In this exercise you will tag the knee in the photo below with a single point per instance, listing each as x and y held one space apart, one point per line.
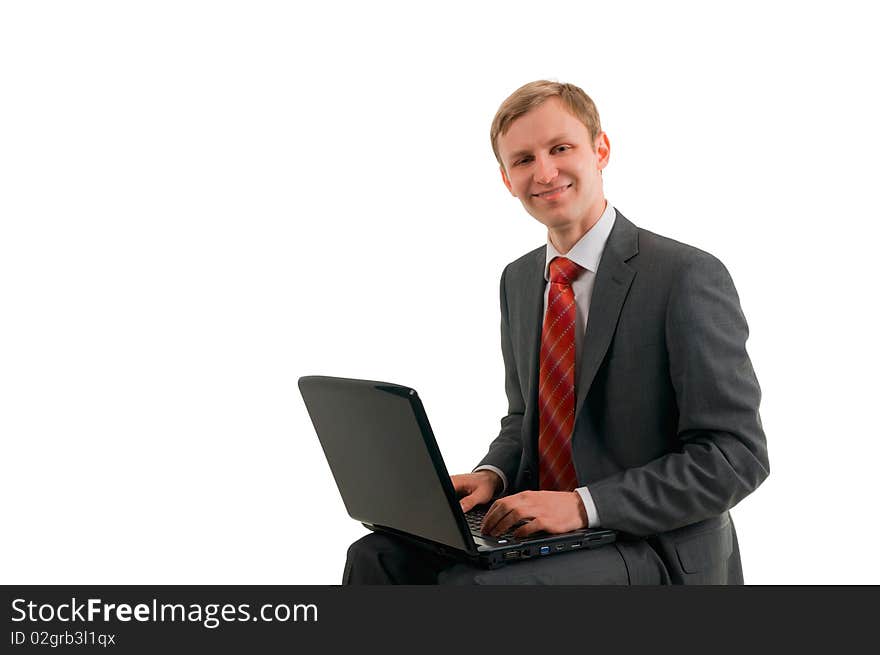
363 563
385 559
368 546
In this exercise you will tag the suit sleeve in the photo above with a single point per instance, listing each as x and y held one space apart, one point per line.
721 455
505 452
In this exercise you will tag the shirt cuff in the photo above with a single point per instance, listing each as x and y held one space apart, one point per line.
489 467
590 506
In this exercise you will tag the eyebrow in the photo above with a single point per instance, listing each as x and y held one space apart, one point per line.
555 139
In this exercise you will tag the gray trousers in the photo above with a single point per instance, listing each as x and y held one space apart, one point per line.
380 558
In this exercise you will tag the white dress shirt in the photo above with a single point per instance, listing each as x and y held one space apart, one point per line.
586 253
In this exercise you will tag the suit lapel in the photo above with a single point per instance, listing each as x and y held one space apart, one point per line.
613 280
531 320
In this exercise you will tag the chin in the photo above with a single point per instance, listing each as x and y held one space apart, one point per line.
554 222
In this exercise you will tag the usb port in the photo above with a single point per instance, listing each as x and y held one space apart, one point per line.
545 550
511 554
560 546
576 544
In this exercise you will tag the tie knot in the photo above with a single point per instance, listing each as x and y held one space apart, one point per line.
564 271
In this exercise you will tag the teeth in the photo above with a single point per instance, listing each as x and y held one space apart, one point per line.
552 191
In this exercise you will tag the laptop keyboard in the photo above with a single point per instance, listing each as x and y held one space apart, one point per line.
475 520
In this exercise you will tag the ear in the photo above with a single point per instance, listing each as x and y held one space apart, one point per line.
602 148
506 181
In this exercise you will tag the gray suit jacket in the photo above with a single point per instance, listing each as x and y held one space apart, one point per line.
667 434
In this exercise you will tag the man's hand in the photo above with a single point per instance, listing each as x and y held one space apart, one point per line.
554 512
476 488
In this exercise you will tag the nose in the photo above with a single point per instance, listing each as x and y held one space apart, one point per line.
545 171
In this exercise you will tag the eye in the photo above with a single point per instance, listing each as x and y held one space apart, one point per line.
523 160
561 148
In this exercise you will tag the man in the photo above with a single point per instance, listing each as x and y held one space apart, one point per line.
632 401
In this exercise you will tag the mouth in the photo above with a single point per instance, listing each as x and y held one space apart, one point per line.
552 194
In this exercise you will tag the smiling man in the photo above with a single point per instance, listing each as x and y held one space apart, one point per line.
552 162
632 402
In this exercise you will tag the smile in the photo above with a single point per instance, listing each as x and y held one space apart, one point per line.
552 194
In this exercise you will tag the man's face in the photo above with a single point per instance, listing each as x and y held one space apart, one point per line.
550 164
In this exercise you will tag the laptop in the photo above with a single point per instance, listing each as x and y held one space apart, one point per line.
391 476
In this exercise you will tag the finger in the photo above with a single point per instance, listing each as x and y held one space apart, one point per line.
462 490
496 512
507 521
501 509
468 503
513 518
459 484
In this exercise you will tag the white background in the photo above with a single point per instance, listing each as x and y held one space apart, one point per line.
201 202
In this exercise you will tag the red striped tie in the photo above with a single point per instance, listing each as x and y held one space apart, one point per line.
556 386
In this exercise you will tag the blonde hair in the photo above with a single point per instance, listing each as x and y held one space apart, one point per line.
532 95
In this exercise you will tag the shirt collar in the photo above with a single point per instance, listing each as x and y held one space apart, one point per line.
588 250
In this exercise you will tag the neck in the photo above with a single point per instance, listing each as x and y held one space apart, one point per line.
564 238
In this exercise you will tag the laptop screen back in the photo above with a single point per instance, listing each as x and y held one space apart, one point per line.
387 467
